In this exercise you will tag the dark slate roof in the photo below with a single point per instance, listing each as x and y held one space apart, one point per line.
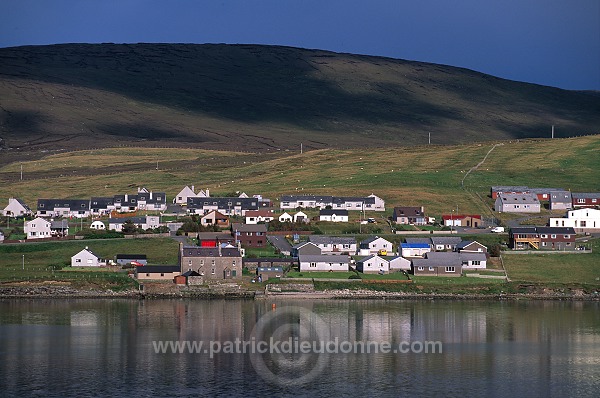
288 260
331 212
223 203
316 198
510 188
73 204
131 257
132 200
464 244
344 199
527 198
190 273
152 197
408 211
146 269
101 202
523 230
560 196
418 240
195 251
556 230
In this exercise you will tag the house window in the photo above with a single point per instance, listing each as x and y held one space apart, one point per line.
212 271
431 269
420 268
544 236
77 260
553 236
313 265
212 262
233 264
190 261
476 262
594 200
147 274
162 274
41 205
450 269
582 224
567 236
132 200
580 200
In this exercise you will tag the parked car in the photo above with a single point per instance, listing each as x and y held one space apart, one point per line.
498 230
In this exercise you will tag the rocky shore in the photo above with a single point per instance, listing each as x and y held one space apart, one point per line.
62 292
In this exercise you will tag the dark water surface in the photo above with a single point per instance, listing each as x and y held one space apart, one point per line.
89 348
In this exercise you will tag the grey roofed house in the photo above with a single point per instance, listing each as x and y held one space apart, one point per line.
225 205
102 203
426 241
470 245
447 242
196 251
440 259
305 248
560 200
338 240
509 188
472 256
123 220
77 206
239 227
585 195
517 203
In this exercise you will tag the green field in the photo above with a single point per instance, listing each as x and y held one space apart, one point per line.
555 268
427 176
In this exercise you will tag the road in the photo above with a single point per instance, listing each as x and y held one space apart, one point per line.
280 243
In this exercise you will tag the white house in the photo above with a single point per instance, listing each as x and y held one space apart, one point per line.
86 258
323 262
333 215
257 216
301 217
373 265
285 217
473 260
399 264
334 244
186 192
375 245
98 225
414 249
16 207
582 220
38 228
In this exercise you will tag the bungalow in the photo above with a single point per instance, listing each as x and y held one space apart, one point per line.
586 199
462 220
543 193
285 217
409 215
375 245
250 235
333 244
305 248
123 259
333 215
473 260
544 238
77 208
301 217
441 243
258 216
414 249
324 262
582 220
16 208
86 258
215 218
144 222
471 246
157 272
373 264
426 241
517 203
561 200
265 273
214 263
438 264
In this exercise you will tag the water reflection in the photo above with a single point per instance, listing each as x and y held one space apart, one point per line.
104 347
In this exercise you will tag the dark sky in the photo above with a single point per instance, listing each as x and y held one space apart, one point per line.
549 42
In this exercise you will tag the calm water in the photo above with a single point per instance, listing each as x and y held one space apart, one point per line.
105 348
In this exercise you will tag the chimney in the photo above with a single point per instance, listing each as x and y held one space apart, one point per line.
193 189
207 193
151 195
126 197
86 248
219 246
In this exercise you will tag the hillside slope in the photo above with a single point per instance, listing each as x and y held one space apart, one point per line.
260 98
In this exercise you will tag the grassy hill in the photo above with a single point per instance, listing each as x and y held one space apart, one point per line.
425 175
262 98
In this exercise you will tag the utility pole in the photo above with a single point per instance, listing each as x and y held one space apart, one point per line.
553 131
23 262
21 171
301 151
429 138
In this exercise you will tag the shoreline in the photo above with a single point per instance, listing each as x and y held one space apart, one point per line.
43 292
